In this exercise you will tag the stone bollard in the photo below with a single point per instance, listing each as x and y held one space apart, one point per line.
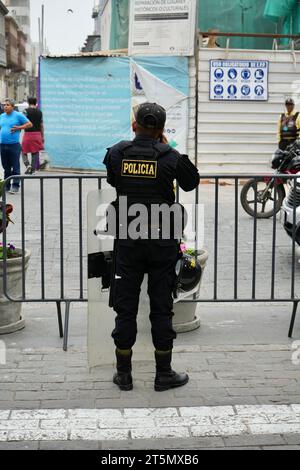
10 312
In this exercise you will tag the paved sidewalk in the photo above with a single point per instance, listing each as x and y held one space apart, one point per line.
217 426
234 360
240 357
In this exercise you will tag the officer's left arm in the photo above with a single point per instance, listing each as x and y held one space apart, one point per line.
110 174
187 174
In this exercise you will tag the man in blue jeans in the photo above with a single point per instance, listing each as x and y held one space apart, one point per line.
11 124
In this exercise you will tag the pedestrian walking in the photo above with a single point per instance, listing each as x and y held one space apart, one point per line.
143 171
289 125
12 123
33 140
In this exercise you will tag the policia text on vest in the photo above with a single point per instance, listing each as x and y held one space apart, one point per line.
139 168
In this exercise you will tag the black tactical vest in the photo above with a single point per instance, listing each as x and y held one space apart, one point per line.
139 172
289 129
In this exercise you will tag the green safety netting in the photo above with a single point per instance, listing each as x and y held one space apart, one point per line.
277 9
237 16
246 16
119 24
286 13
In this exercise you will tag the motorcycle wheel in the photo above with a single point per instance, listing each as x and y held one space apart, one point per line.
265 208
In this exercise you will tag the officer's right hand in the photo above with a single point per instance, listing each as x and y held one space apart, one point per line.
163 139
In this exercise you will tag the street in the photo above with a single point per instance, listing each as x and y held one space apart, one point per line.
240 357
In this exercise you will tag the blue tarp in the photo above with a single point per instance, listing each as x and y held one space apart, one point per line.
86 105
172 70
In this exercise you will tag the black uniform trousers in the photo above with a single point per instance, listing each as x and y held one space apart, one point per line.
132 262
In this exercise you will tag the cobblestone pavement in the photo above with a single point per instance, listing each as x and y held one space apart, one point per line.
240 358
235 360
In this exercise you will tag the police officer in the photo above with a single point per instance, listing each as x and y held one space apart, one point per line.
289 125
144 170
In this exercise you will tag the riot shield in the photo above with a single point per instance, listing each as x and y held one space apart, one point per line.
101 318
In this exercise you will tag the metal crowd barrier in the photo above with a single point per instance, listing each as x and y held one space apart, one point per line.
60 296
55 215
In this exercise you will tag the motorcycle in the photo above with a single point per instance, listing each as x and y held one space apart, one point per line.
261 191
290 211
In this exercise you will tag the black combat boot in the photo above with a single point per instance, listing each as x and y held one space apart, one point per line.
166 377
123 377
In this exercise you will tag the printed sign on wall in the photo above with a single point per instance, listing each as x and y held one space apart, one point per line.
239 80
87 104
160 27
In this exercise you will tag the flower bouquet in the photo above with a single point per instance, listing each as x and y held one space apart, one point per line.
8 211
10 251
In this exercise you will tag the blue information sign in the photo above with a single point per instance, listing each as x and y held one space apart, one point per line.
239 80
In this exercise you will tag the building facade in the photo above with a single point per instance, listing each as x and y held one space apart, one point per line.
20 11
3 13
11 33
92 44
16 76
93 41
21 51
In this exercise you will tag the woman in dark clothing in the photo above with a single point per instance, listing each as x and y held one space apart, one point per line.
33 141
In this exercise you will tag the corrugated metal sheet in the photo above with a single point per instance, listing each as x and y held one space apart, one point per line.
240 134
114 53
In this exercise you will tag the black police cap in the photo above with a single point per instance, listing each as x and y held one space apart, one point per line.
289 101
151 116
